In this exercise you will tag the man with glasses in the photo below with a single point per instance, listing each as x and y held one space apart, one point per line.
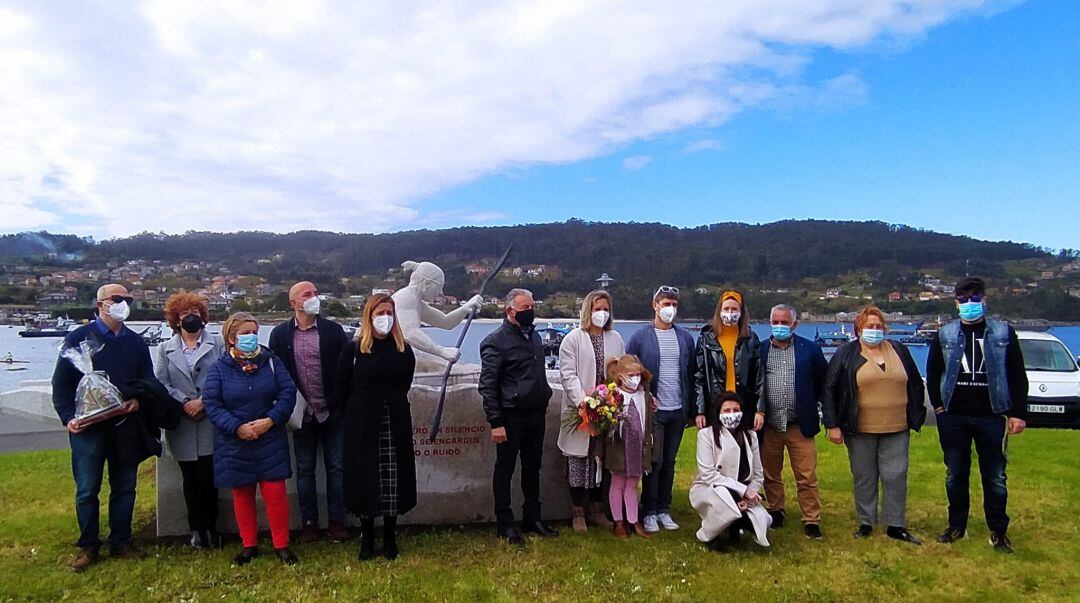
977 385
123 357
667 351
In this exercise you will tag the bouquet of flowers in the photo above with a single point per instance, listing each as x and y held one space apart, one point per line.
600 411
96 398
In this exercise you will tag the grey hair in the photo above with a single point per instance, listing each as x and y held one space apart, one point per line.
513 295
102 289
785 308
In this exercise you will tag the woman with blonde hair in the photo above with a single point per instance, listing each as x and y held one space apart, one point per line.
627 450
182 365
374 375
582 357
249 397
728 359
873 398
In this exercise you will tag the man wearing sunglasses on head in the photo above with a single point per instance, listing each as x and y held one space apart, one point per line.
977 385
124 357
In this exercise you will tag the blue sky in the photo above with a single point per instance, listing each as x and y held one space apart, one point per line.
961 116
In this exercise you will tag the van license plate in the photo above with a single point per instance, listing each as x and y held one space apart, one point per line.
1051 408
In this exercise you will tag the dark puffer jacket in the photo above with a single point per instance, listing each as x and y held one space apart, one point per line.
840 400
710 374
231 398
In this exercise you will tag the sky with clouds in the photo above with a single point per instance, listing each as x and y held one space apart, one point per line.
955 115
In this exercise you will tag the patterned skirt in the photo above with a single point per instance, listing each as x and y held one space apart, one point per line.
388 495
581 472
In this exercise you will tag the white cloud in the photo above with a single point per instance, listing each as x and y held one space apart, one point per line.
284 115
634 163
707 144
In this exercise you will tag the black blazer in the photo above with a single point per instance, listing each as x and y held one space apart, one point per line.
331 339
840 401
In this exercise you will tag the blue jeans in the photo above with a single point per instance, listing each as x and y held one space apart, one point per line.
306 440
89 452
956 433
657 485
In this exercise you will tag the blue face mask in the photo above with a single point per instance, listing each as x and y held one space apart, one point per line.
872 336
971 311
781 332
247 343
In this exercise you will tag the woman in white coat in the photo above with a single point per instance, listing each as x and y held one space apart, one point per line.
582 357
725 492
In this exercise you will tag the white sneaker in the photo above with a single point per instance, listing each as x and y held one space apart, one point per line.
667 521
650 524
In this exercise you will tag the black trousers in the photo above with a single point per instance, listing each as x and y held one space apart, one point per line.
524 437
199 493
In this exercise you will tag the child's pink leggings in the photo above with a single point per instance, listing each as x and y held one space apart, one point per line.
624 490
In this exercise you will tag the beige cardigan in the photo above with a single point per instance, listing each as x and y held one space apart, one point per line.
577 371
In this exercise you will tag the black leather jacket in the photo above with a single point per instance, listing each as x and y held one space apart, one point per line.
710 373
513 376
840 400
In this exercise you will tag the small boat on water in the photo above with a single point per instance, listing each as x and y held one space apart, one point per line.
829 341
60 328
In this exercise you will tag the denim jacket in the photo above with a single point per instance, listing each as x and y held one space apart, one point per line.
995 342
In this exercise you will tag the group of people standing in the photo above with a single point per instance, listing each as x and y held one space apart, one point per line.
236 401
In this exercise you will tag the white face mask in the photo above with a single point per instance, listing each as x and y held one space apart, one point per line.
120 311
730 318
631 383
667 314
600 318
383 323
311 306
731 420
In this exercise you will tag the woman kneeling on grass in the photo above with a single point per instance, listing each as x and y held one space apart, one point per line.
249 396
627 450
729 478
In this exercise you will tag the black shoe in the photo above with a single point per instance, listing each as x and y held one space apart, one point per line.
245 556
864 531
212 539
286 556
812 531
539 528
367 539
718 544
127 550
1000 542
899 533
950 535
198 540
389 545
511 535
778 517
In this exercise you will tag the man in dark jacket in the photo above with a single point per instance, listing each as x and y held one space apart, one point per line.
308 345
123 357
977 384
794 370
513 385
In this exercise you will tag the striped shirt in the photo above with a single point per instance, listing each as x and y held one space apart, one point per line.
668 382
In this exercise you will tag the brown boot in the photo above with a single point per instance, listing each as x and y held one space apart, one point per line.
620 530
597 517
640 530
578 514
86 557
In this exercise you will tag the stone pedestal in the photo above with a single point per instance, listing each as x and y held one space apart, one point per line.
453 474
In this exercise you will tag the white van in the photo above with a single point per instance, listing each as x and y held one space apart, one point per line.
1053 381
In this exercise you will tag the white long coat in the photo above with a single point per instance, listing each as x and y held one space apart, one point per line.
718 470
577 371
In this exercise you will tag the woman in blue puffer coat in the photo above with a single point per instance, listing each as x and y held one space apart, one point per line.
248 395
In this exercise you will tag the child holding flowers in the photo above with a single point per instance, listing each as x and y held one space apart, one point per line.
626 448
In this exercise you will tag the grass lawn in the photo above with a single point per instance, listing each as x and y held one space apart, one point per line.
37 529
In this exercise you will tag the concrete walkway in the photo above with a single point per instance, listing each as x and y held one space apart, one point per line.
20 433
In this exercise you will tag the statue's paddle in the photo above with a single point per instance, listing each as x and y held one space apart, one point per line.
436 418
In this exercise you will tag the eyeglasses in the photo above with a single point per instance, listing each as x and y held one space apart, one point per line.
969 298
666 289
118 298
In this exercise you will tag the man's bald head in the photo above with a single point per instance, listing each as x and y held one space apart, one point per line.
301 292
106 291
